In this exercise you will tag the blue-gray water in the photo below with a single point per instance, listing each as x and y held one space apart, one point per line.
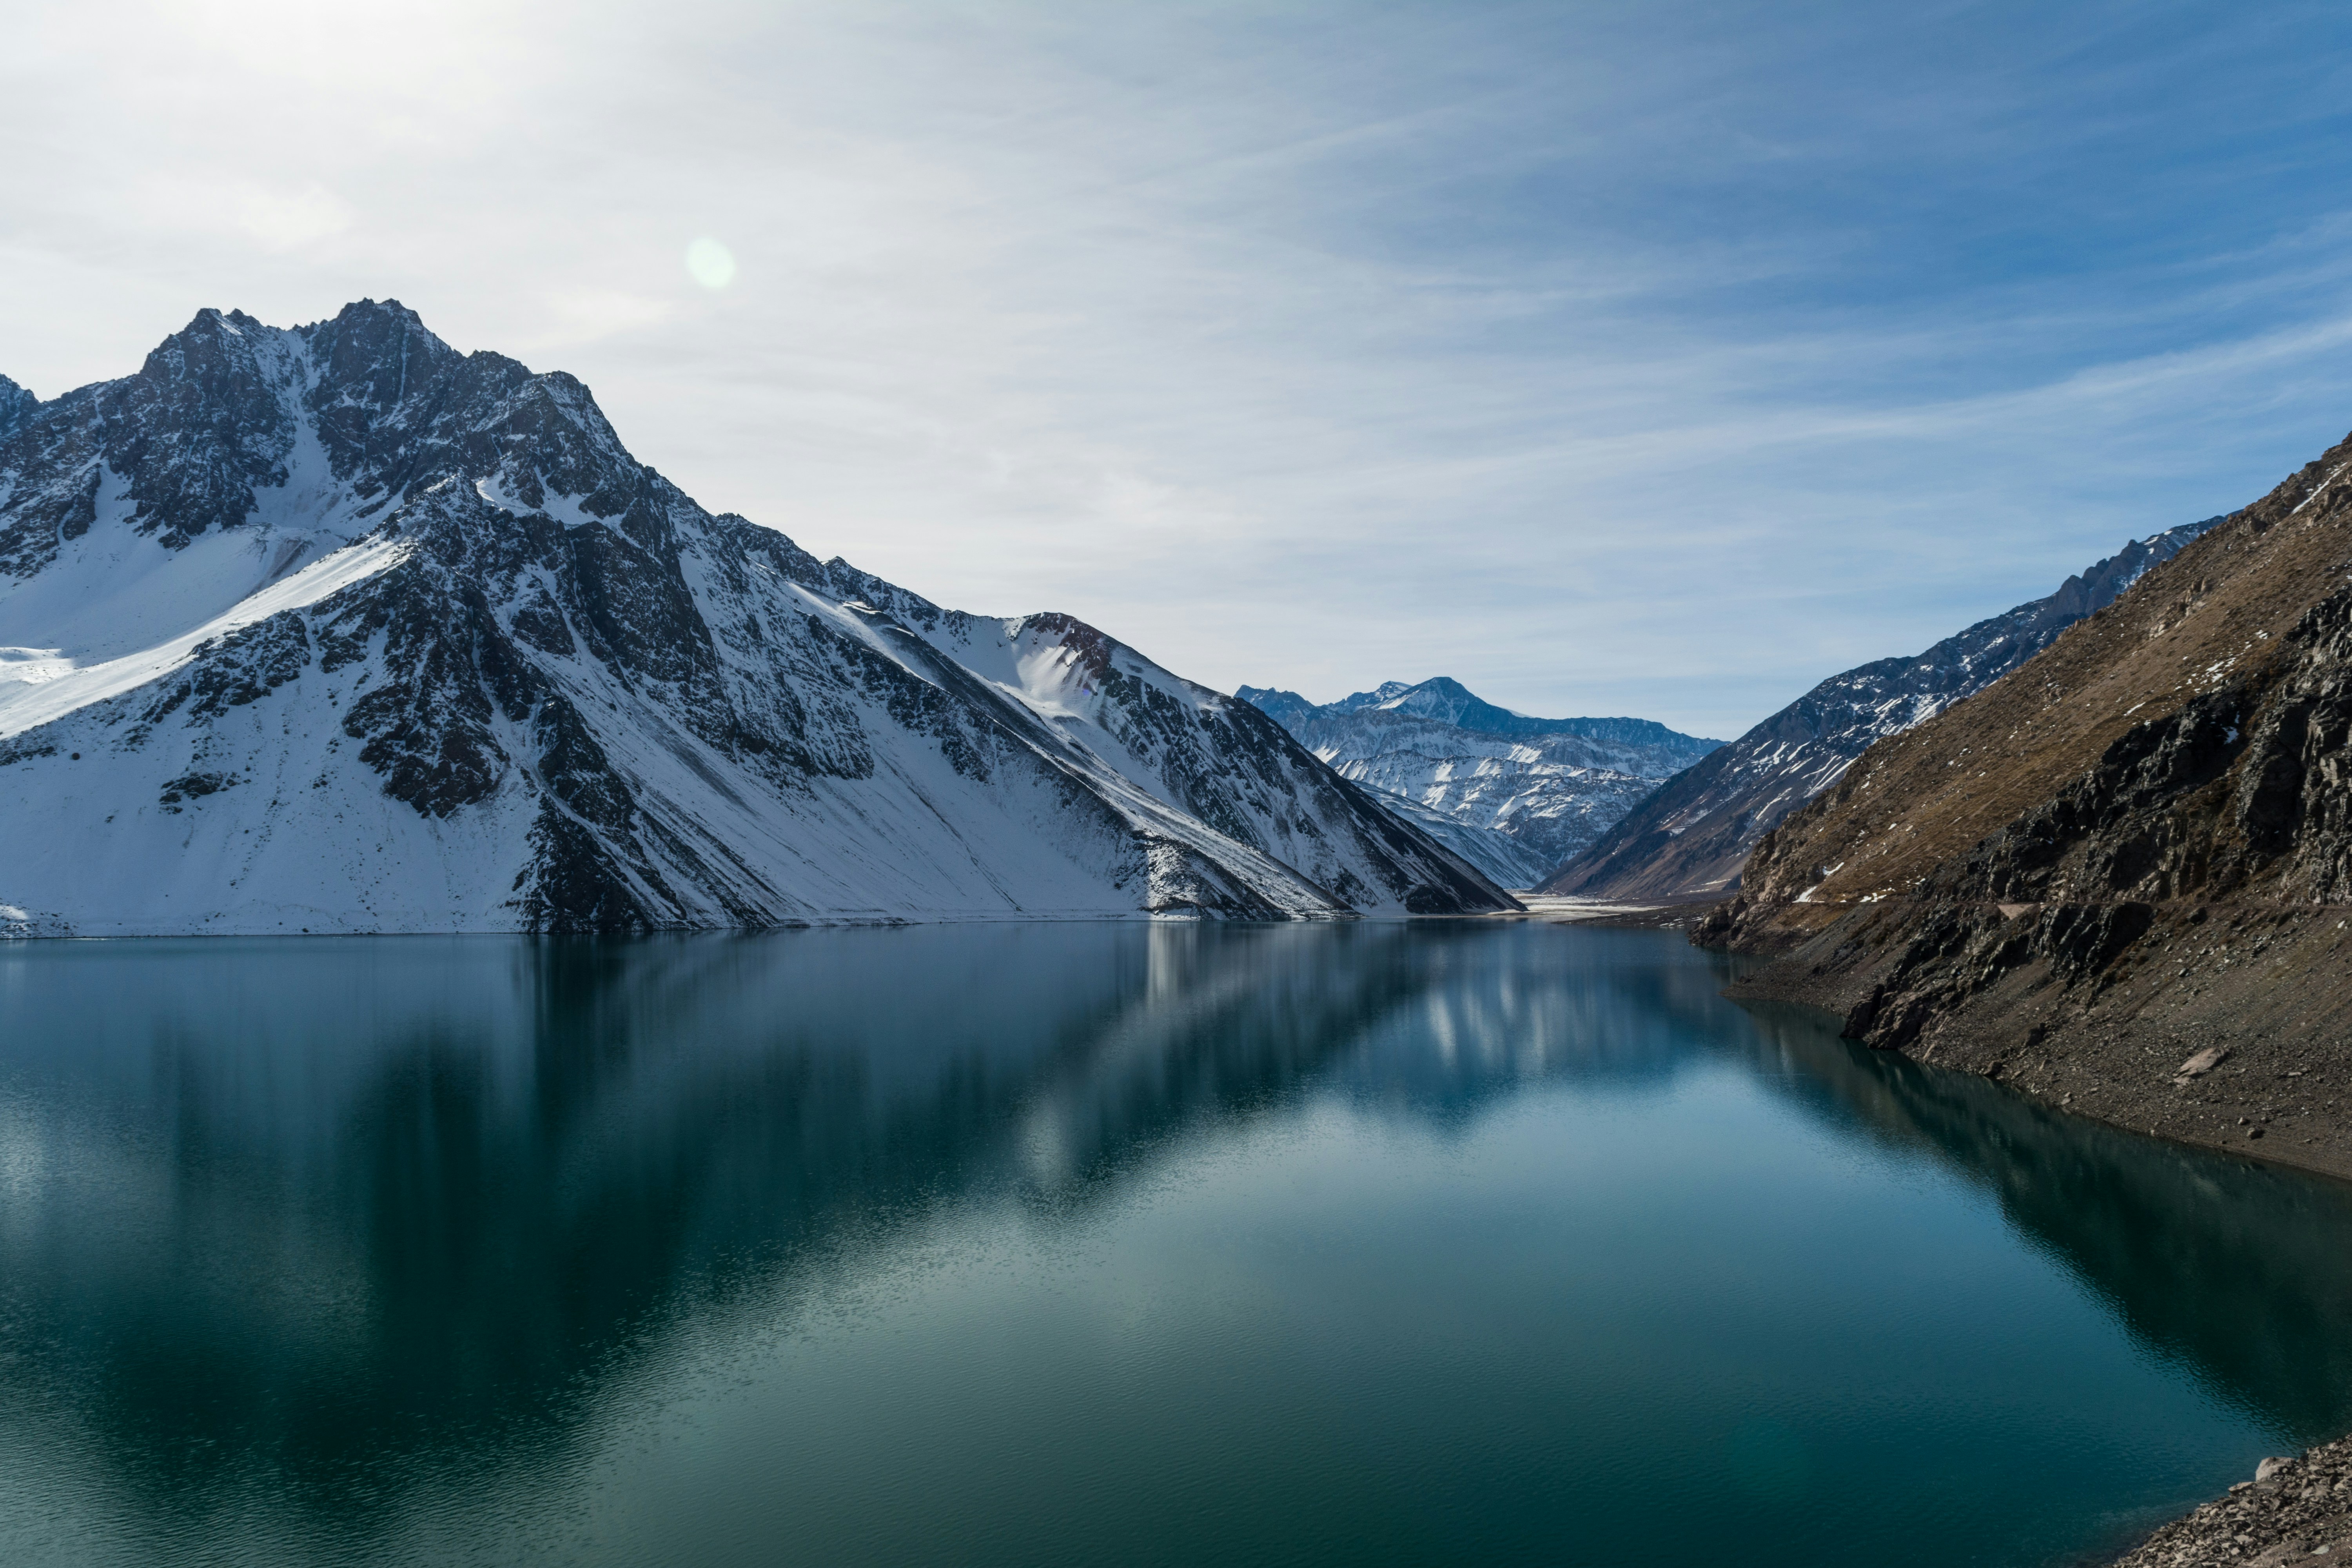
1452 1242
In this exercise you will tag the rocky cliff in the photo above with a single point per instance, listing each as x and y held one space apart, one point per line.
2119 878
1690 838
336 628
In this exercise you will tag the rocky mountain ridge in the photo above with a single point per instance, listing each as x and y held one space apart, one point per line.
337 628
1689 839
1513 793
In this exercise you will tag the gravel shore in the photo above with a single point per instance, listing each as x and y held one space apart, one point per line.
2295 1511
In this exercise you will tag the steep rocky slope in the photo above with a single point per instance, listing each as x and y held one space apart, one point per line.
1515 795
337 628
2118 878
1690 838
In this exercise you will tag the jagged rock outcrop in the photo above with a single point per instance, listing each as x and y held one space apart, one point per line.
1515 795
2119 878
337 628
16 404
1690 838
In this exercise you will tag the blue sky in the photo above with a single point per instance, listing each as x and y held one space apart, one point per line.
1654 360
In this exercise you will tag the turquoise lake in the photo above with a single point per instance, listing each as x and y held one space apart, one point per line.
1433 1242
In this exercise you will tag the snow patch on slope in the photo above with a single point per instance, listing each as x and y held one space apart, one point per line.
25 704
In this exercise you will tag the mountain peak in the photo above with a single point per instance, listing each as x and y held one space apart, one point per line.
1444 701
366 309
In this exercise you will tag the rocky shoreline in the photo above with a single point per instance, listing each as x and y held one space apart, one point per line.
2224 1028
2296 1509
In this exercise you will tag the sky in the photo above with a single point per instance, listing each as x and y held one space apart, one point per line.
1652 359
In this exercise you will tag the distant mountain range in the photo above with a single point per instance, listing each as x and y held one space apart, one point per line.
1690 838
1515 795
336 628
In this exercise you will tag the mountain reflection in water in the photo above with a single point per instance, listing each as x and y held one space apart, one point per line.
2238 1271
297 1237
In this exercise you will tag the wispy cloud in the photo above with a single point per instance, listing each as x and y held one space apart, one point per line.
1653 359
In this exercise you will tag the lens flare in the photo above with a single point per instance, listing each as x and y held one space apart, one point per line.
709 263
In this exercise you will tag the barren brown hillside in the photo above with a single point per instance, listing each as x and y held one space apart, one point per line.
2121 878
2215 613
1692 837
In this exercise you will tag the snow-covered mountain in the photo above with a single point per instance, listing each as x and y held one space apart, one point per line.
1691 837
1516 795
335 628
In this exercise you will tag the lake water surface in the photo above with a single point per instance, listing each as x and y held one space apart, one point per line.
1440 1242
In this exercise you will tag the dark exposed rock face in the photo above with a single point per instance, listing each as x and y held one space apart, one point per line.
17 406
1513 794
458 660
1690 838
